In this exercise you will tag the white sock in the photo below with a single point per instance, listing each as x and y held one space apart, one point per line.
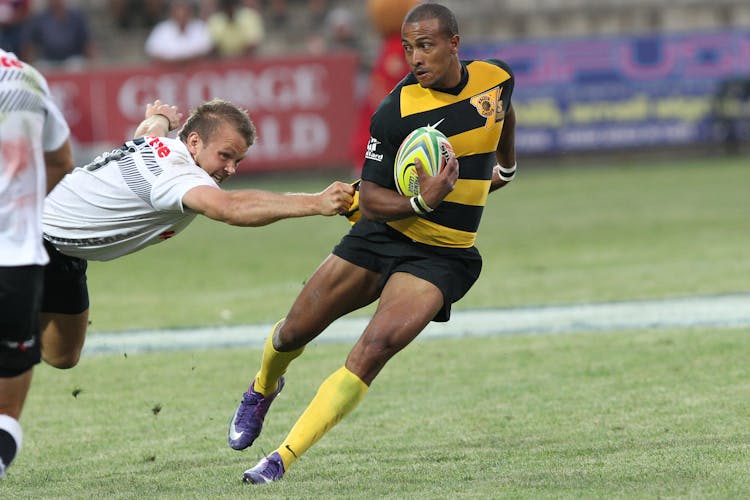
10 427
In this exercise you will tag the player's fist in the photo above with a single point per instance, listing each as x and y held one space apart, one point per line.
336 198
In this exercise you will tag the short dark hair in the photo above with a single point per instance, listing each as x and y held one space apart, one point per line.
207 118
445 17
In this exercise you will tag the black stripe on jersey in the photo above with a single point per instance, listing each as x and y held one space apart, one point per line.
456 216
112 156
20 100
134 179
477 167
12 75
149 159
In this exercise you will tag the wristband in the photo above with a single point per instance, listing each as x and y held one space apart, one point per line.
417 209
506 174
169 122
419 201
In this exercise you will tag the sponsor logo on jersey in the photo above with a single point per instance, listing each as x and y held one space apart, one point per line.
162 151
10 62
489 105
372 147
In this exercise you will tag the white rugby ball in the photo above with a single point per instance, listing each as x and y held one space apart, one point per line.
428 144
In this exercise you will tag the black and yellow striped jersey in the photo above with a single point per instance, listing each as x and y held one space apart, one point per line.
471 116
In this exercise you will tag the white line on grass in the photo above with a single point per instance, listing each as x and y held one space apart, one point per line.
726 311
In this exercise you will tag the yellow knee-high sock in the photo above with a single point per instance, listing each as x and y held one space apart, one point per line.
273 365
338 395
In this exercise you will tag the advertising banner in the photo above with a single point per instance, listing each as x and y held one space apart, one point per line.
302 107
618 92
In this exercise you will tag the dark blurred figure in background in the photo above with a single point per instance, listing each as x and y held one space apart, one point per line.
236 28
731 114
58 36
133 13
278 11
13 16
339 32
181 38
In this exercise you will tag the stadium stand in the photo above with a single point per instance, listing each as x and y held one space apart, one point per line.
480 20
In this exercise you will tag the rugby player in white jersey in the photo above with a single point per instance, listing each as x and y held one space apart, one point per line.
34 155
145 192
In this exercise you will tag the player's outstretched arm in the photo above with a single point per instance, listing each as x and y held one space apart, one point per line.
505 169
159 120
250 207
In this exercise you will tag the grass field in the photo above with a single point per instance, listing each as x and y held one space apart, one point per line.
573 234
647 414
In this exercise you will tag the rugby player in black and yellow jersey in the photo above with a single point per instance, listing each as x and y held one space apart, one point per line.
416 255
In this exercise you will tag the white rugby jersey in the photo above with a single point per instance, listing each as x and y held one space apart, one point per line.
124 200
30 124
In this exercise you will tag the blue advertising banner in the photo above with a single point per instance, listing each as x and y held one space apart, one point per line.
619 92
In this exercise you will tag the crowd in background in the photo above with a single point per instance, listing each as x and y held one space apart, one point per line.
80 33
61 34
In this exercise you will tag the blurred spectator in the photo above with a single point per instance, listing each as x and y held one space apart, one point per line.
13 14
339 33
181 38
58 36
236 28
279 11
341 30
133 13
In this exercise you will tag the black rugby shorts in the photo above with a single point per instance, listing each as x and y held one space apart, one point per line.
65 288
380 248
20 300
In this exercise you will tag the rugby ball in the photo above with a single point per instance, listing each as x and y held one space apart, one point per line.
428 144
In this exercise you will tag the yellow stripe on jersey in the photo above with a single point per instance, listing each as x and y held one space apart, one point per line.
425 231
417 99
476 141
469 192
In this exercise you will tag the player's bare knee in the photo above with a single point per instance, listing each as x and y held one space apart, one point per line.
63 361
378 351
292 334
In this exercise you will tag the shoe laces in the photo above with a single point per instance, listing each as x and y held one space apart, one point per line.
250 402
272 467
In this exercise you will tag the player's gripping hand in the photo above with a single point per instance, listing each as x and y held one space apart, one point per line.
171 113
434 189
336 198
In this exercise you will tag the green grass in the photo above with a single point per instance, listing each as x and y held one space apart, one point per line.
648 414
556 235
629 415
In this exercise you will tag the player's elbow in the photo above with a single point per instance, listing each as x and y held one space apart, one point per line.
370 214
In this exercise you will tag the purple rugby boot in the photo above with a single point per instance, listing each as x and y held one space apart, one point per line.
269 469
248 419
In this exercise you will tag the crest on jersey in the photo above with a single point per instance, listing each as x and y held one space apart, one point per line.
490 106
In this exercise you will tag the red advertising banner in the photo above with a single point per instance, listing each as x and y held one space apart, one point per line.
302 107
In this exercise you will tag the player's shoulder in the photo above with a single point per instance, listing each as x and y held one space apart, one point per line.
393 99
389 110
29 74
491 64
177 155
